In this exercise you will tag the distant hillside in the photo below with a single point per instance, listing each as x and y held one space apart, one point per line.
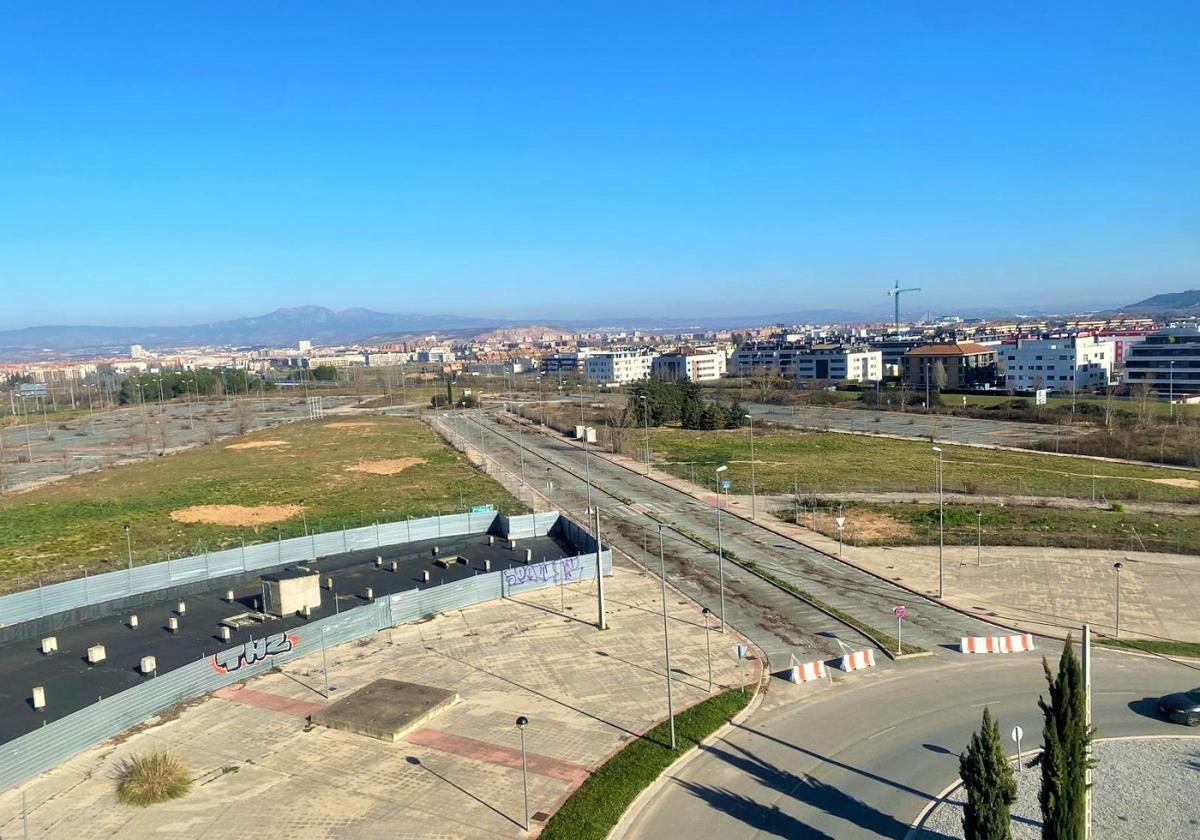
1188 301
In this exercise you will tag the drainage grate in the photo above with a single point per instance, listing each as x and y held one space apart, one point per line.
541 816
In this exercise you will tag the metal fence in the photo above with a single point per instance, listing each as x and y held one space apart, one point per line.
97 589
55 742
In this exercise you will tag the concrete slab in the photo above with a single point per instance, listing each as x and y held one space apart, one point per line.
386 709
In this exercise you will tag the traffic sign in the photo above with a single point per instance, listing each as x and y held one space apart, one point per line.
1017 734
899 611
740 651
725 484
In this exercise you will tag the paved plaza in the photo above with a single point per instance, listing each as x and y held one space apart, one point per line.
261 769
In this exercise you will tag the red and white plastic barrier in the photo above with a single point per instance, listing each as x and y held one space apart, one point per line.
808 672
858 659
996 644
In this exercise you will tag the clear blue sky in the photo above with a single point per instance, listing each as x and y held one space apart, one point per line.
177 162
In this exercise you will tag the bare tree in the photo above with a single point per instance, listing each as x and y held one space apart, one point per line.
939 374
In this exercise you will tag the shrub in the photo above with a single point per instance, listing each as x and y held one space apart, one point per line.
152 776
1118 507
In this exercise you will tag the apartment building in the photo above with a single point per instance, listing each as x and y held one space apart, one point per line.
965 363
696 364
1168 361
618 366
839 363
1068 363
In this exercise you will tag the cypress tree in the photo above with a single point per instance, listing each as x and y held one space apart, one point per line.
989 782
1064 761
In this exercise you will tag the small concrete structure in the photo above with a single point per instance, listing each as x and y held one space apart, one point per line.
435 551
173 624
224 632
487 565
369 594
378 562
50 644
95 654
425 575
329 583
529 555
133 622
395 566
149 666
386 709
306 611
229 596
181 608
491 539
289 591
39 697
512 544
463 561
443 562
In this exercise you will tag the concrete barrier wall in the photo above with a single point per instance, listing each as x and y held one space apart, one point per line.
55 742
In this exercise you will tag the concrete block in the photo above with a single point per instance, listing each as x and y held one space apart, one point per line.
512 544
463 560
487 565
435 551
288 591
442 563
229 596
491 540
181 607
39 697
395 566
369 593
133 622
173 624
95 654
425 575
329 583
50 644
378 562
529 555
224 632
149 666
306 611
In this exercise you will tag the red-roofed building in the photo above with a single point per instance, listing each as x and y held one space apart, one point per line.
965 363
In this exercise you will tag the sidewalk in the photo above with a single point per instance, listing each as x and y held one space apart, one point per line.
260 770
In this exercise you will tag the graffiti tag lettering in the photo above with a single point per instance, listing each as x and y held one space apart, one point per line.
566 570
234 659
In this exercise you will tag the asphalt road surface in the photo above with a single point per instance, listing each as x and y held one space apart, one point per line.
71 683
864 759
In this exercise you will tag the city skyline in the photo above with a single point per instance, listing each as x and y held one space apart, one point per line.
549 162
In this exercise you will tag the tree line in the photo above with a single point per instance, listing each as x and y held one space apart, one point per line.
202 382
659 402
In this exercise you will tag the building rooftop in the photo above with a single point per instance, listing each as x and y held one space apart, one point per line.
950 348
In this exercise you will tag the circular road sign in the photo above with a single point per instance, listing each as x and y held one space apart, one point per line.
1017 734
900 611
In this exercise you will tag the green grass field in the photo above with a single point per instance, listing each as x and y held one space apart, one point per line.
592 810
815 462
917 524
52 531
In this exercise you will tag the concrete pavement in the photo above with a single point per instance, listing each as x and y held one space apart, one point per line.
260 771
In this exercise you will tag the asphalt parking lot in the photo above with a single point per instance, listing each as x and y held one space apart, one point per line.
71 683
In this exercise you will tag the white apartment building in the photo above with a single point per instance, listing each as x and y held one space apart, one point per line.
696 364
1062 364
839 363
618 366
1168 362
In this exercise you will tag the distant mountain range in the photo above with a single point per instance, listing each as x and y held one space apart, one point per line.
1183 303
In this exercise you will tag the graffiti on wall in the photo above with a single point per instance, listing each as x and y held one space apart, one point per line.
566 570
243 656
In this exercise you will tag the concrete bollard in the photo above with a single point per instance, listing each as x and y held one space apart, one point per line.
435 551
39 697
487 565
148 665
95 654
181 608
512 544
224 633
395 566
369 593
306 611
329 583
463 560
173 624
133 622
228 596
378 562
491 540
425 575
50 644
529 555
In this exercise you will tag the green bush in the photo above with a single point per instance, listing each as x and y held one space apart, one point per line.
152 776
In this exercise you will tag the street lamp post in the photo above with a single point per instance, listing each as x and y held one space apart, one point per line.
587 461
662 566
646 415
1118 566
1171 396
522 722
753 476
708 646
941 526
978 537
720 547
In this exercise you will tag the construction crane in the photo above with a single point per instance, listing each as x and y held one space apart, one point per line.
895 293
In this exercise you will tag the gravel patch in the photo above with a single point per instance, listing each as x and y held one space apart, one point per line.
1146 789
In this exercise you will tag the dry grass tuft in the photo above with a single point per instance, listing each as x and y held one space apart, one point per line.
152 776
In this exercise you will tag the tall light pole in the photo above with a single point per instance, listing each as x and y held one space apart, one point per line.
708 646
522 722
662 566
646 415
587 460
978 537
941 526
1171 397
129 546
753 475
1118 566
720 547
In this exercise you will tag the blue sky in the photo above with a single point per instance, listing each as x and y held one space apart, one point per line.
182 162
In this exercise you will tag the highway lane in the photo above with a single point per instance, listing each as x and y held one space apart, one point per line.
867 764
865 597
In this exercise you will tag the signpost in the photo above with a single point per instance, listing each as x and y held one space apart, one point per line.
841 523
740 652
1040 396
899 612
1017 734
